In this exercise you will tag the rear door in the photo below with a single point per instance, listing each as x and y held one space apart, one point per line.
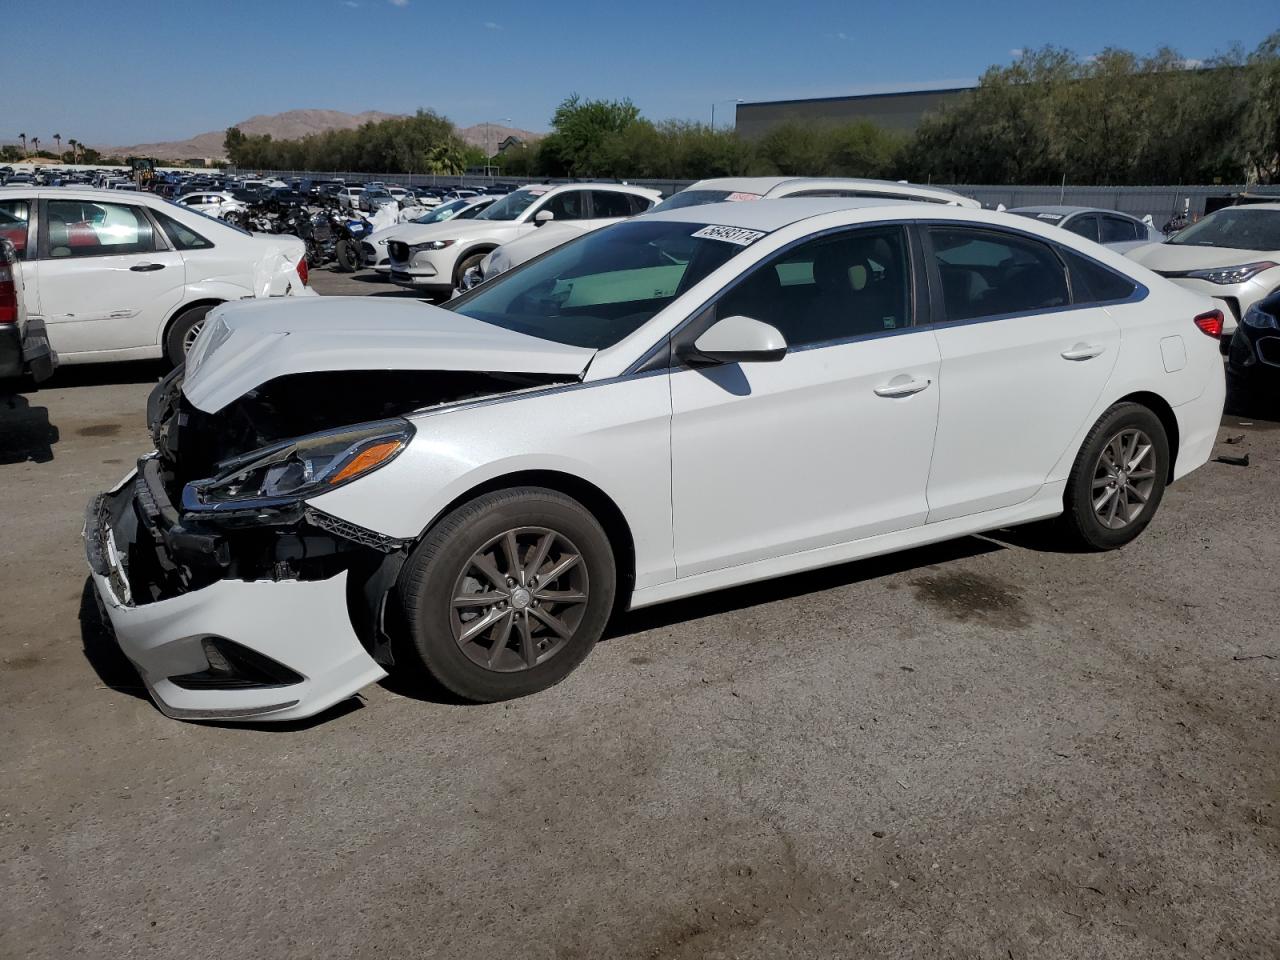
107 278
1022 366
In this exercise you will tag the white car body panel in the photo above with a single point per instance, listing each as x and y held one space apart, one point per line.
728 474
100 308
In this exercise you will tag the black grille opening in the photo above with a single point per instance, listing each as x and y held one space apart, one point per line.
233 667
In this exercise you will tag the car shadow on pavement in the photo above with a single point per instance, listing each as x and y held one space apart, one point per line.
25 431
100 374
796 585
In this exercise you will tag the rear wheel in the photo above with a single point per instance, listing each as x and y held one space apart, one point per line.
508 593
183 332
1118 480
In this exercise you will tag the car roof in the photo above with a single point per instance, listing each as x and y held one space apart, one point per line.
776 186
1067 210
1251 206
591 185
776 213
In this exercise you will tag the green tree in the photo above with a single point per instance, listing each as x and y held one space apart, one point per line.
579 131
1260 120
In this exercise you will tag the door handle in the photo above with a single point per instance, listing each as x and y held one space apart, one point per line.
905 388
146 267
1083 351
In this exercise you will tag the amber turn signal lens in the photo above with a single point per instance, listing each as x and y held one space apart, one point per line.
366 460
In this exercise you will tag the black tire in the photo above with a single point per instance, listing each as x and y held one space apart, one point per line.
175 341
437 565
347 256
1081 524
465 264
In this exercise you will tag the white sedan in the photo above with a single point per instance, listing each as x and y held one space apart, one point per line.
117 276
1232 255
686 401
213 203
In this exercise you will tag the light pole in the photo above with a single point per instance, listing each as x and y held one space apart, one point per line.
488 142
713 108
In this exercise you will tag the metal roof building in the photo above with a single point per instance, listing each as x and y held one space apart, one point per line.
900 110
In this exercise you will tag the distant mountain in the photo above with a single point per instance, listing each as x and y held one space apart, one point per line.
488 136
290 125
293 125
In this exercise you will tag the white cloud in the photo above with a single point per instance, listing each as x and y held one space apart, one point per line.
399 3
350 3
840 36
1017 53
490 25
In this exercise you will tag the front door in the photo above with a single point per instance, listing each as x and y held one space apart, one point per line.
829 444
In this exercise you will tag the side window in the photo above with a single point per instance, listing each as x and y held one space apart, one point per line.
1091 282
569 205
82 228
832 288
990 274
14 219
1085 225
606 203
180 235
639 204
1118 229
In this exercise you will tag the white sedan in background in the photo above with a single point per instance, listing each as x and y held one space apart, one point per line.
686 401
718 190
1232 255
212 203
1117 231
131 277
435 257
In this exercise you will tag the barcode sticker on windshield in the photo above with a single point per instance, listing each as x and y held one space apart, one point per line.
740 196
735 235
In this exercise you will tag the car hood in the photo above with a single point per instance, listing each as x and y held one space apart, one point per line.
455 230
1177 256
545 238
248 343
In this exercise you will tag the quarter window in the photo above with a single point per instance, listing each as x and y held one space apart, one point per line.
180 235
83 228
990 274
832 288
1091 282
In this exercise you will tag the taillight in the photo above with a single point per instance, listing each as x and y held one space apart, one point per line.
1210 323
8 294
302 270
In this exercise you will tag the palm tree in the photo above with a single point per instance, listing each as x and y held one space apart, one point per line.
57 139
35 145
75 151
23 138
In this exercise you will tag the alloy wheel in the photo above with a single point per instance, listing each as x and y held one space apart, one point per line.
519 599
189 337
1124 478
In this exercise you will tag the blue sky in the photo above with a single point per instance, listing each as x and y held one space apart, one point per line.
129 71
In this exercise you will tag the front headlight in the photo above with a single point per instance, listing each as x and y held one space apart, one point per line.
431 245
1237 274
301 468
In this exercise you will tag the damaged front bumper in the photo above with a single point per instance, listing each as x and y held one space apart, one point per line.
216 638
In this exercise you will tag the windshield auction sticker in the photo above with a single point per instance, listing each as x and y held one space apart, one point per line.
734 235
739 197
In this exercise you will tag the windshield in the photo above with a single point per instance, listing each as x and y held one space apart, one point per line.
602 287
695 198
513 204
1236 227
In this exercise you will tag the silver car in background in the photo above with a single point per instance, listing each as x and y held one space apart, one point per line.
1111 228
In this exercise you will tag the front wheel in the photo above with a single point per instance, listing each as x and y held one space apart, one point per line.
348 256
508 593
1118 479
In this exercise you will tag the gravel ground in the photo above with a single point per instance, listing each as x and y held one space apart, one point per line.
981 749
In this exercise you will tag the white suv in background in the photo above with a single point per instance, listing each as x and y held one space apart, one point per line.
120 276
434 257
212 203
